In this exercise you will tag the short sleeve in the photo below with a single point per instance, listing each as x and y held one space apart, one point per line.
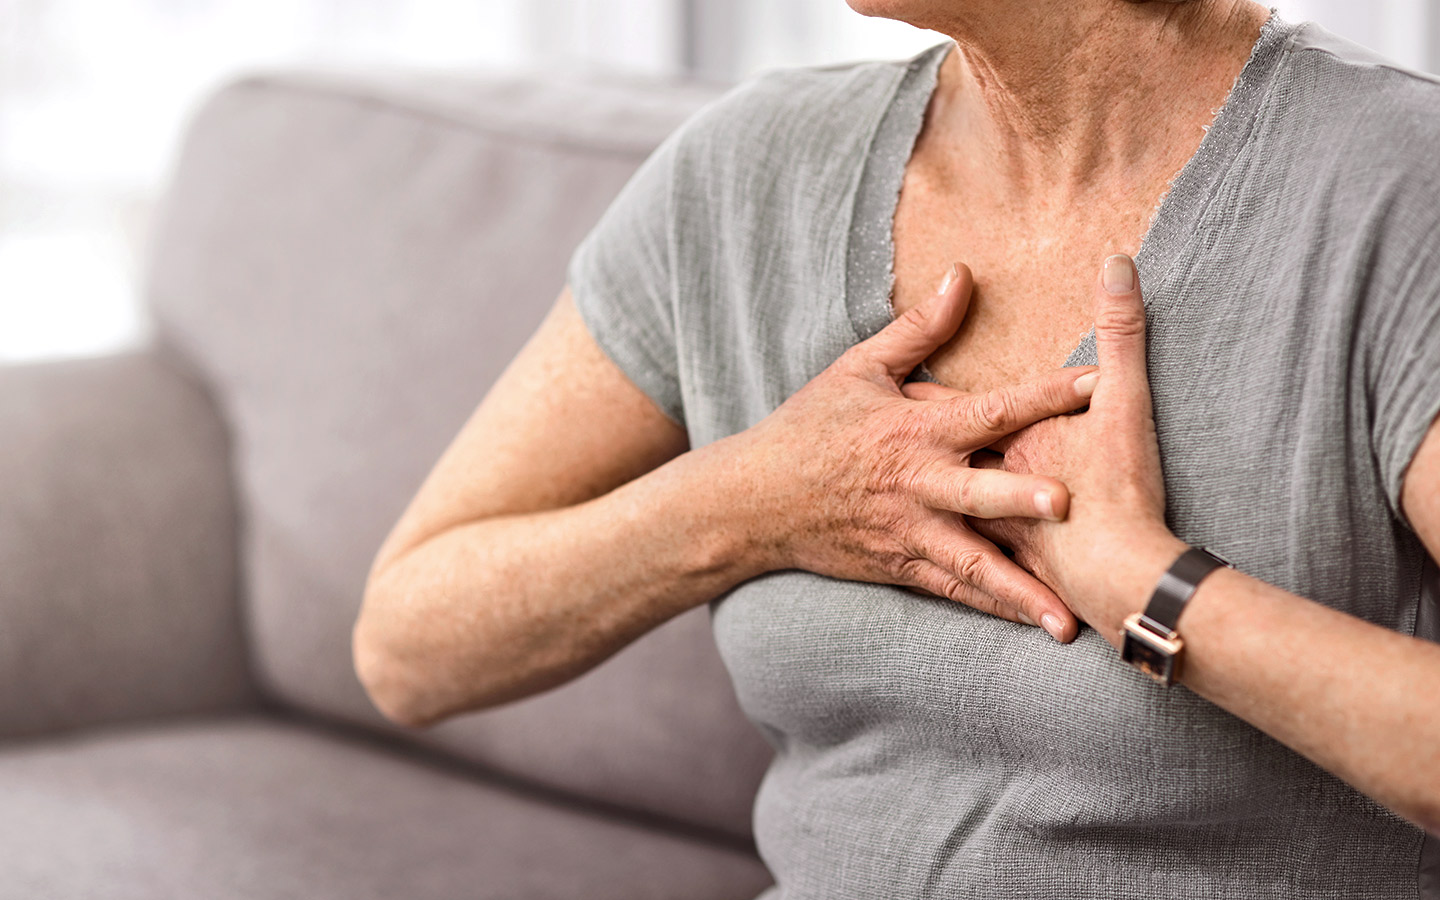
621 276
1404 369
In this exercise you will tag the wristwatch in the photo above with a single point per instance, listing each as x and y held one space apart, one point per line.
1150 641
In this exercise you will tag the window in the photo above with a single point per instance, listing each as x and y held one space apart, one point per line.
93 94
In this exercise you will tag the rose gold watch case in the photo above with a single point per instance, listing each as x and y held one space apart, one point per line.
1151 648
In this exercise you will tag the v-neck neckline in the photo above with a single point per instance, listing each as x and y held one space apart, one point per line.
870 250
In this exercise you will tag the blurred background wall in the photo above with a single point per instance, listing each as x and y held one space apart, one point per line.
93 94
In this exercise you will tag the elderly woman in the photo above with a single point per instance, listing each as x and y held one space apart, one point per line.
751 395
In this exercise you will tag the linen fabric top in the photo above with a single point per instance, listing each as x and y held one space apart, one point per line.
924 749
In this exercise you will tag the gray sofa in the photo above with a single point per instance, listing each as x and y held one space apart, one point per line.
344 263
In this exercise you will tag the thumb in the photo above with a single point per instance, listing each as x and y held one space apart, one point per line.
919 331
1120 330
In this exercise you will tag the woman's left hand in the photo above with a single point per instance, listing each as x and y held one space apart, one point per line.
1099 560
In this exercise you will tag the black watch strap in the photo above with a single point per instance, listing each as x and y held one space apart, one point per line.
1178 584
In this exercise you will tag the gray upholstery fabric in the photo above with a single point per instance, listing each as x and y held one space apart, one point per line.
117 546
351 261
244 807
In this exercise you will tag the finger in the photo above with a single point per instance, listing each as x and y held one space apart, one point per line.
1006 534
1120 329
937 582
929 390
981 419
992 493
1003 533
980 564
919 331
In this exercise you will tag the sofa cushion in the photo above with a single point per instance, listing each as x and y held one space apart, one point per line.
253 807
351 261
117 546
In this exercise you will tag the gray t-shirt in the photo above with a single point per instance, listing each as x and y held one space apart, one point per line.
924 749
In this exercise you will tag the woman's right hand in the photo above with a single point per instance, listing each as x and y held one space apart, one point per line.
857 481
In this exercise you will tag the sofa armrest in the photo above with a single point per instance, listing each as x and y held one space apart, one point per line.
118 594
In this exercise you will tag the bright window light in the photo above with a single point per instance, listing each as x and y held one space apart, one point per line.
93 95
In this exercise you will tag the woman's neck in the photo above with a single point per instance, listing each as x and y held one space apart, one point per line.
1077 97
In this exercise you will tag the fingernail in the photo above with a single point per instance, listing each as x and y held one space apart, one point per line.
1024 618
1085 384
950 276
1119 274
1045 504
1051 623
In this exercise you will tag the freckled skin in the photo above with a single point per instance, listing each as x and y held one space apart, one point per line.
1031 302
1030 166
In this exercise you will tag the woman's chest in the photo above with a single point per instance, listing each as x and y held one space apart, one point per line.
1034 279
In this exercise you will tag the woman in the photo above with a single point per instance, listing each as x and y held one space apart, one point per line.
754 413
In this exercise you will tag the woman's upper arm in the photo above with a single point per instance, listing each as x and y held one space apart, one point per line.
561 425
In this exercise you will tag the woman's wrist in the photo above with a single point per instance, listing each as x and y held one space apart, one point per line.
1128 579
735 481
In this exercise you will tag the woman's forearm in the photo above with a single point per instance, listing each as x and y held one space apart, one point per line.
1357 699
846 478
498 609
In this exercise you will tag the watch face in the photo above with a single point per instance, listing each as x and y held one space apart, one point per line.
1152 654
1141 654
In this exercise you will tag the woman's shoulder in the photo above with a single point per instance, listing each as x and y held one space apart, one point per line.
1356 133
786 113
1347 54
1361 97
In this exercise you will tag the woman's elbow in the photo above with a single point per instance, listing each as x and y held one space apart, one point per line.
388 680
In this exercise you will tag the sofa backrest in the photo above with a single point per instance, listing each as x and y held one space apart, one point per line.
349 260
